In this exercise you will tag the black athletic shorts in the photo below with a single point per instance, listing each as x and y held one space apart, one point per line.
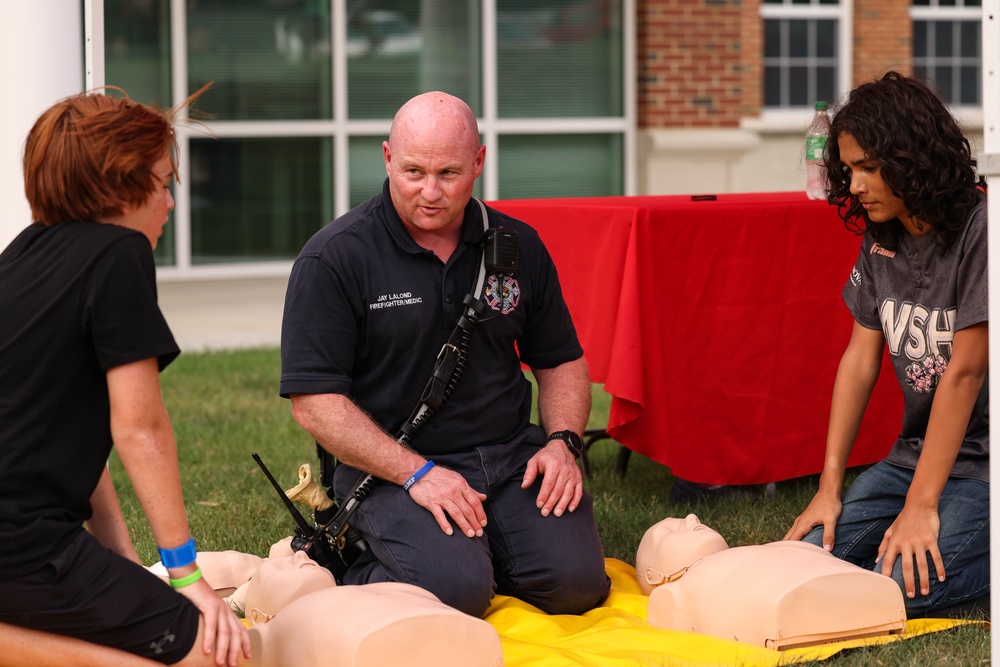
95 595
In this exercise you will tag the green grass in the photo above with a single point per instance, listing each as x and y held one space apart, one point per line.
225 405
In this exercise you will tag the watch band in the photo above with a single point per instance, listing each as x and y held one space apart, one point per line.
572 439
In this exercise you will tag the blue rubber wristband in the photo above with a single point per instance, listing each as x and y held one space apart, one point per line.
417 475
180 556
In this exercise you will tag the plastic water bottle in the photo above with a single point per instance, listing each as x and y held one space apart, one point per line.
819 130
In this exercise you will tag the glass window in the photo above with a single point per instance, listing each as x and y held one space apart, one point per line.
137 49
137 60
269 60
258 199
802 54
569 165
305 91
947 48
559 58
399 48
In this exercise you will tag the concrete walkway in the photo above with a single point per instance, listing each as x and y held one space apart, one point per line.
224 314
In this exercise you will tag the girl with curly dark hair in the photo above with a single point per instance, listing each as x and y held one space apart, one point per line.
903 175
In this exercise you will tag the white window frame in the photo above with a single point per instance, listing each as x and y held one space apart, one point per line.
340 130
778 119
971 115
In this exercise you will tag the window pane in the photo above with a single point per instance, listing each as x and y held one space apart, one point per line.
258 199
268 60
970 82
137 49
920 36
826 39
826 84
798 87
772 87
137 60
367 171
969 40
944 79
399 48
772 39
561 165
557 58
798 39
943 42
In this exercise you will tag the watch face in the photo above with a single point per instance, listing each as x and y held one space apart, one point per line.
572 440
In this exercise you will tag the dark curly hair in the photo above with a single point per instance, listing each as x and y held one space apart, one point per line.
922 155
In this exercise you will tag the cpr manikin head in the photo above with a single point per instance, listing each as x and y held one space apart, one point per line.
373 625
669 547
280 581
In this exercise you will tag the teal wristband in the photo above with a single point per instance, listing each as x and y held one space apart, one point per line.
180 556
186 581
417 475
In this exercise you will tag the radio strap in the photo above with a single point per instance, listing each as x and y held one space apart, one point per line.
440 386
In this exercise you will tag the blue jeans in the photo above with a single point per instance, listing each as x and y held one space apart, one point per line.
554 563
875 500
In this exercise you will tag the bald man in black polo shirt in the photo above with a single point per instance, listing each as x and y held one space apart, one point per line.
371 299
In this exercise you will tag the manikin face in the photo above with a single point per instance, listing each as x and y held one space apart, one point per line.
150 217
432 159
867 185
671 546
280 581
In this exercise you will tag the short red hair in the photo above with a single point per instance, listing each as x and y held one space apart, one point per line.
91 154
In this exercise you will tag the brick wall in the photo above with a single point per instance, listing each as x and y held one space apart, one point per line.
882 30
691 66
700 60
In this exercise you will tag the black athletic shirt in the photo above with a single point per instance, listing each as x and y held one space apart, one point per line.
76 299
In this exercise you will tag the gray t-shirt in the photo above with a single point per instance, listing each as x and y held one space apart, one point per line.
919 298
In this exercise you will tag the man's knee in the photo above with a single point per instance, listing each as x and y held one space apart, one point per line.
573 588
470 594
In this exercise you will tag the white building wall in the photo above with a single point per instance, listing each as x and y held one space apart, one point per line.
41 62
716 161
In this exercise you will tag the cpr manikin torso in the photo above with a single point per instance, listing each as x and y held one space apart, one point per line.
299 616
779 595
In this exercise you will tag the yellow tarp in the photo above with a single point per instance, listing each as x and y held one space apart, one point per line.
617 634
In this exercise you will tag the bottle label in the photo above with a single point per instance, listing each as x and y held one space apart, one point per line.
815 147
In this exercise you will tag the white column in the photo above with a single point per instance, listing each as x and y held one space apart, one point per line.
41 62
989 165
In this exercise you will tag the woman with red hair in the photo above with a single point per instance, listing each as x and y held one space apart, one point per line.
82 341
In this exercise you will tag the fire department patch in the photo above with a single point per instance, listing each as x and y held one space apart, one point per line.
502 296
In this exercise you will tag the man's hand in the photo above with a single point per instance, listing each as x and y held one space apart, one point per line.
912 536
444 493
823 510
562 481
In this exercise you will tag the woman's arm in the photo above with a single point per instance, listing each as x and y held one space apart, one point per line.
915 531
145 442
856 376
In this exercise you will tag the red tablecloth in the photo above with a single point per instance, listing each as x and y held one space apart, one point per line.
715 325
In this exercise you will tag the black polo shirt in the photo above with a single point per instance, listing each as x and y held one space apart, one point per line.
367 311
